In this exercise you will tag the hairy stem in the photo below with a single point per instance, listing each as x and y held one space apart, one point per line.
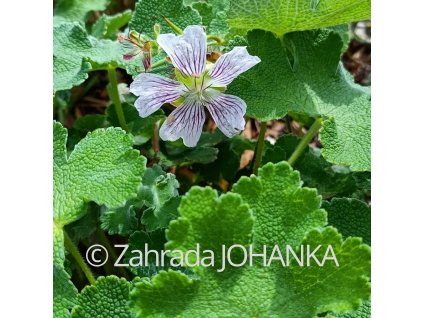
114 96
215 38
105 242
305 141
175 28
259 147
158 63
73 250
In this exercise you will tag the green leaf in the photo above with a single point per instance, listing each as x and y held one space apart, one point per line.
364 311
108 26
69 66
107 298
350 216
75 53
149 12
64 293
121 221
102 168
311 80
270 208
90 122
77 10
283 16
159 191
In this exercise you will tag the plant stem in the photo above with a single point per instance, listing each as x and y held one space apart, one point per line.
259 147
305 141
177 29
215 38
105 242
158 63
114 96
73 250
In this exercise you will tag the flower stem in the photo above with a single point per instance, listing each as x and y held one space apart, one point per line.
304 142
105 242
215 38
158 63
177 29
114 96
73 250
259 147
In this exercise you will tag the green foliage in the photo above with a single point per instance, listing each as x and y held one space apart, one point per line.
278 211
64 293
149 12
350 216
77 10
330 180
107 298
364 311
309 80
102 168
283 16
108 26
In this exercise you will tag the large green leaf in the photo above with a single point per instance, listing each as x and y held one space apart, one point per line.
271 208
102 168
149 12
283 16
309 79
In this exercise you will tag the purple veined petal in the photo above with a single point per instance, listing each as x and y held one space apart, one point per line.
185 122
231 64
187 51
154 91
228 112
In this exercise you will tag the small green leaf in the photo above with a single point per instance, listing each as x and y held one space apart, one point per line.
77 10
283 16
149 12
107 298
310 80
350 216
108 26
364 311
64 293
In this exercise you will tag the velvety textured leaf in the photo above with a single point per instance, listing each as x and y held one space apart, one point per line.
149 12
271 208
159 191
108 26
75 53
311 80
350 216
76 10
107 298
283 16
364 311
64 293
102 168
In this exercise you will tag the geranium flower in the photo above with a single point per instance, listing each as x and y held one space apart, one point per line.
199 85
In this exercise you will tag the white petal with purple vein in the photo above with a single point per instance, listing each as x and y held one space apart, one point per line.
154 91
228 112
185 122
187 51
231 64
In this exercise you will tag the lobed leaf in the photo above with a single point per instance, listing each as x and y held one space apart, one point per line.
310 80
283 16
